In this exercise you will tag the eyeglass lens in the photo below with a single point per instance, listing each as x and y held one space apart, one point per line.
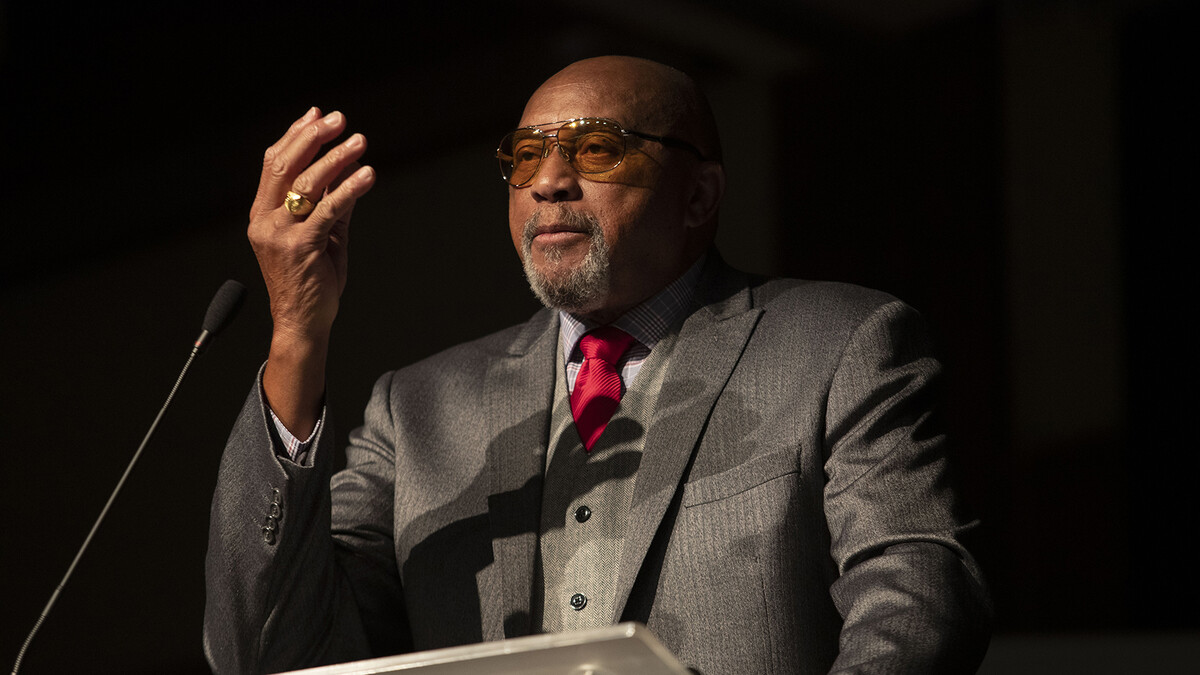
591 146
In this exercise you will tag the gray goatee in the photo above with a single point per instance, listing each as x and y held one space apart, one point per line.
580 289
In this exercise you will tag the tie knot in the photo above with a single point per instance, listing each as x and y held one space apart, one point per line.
605 343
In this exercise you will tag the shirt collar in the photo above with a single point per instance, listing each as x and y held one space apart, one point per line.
648 322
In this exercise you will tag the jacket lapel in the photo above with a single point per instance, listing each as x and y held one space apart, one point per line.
519 390
710 343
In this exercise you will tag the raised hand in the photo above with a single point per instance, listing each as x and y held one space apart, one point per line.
303 255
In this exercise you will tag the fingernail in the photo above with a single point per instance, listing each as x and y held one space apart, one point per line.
333 119
312 112
364 173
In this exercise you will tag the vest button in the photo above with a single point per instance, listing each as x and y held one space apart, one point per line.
578 601
582 514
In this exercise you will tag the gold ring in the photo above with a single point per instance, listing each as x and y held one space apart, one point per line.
297 204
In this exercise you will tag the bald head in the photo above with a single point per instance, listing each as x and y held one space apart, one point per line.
656 98
597 243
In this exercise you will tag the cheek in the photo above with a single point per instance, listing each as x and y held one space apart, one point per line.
516 221
643 230
627 207
624 222
637 170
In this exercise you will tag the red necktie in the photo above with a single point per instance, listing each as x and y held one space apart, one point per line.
598 386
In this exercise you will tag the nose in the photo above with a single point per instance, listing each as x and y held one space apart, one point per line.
556 179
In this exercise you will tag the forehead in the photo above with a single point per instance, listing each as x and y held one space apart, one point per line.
571 100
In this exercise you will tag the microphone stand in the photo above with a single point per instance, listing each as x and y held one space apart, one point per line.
220 312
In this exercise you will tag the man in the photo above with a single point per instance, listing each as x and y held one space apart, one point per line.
767 496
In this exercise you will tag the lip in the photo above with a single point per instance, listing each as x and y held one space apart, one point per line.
556 228
554 234
557 237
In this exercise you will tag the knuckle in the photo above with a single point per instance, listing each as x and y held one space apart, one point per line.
259 227
310 134
279 166
257 208
304 185
335 200
336 156
331 208
258 238
323 211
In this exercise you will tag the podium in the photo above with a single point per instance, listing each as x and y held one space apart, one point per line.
623 649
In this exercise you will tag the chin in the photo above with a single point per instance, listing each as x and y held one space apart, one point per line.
578 289
550 258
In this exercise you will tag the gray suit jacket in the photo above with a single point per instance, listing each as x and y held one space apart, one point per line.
792 511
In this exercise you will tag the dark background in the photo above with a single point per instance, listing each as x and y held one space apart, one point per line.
1014 170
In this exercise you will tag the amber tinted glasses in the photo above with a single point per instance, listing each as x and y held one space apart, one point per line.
589 144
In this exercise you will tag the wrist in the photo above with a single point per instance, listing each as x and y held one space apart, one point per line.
297 349
294 380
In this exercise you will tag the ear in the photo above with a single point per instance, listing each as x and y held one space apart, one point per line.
707 190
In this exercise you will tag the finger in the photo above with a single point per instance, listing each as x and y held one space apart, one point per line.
304 146
341 224
282 164
278 146
337 205
314 180
347 171
312 114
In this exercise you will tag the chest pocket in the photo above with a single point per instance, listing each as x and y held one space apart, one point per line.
739 479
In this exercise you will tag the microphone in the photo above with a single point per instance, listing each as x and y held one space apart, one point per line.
225 304
221 311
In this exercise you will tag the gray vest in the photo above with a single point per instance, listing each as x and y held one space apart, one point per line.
586 501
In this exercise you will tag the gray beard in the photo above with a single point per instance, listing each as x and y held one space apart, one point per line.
584 288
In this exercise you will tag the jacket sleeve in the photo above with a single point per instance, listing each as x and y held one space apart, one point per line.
284 589
910 594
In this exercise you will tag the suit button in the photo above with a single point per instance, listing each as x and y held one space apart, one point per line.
273 515
582 514
578 601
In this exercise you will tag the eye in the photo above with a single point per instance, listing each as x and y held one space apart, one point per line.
597 150
527 150
598 143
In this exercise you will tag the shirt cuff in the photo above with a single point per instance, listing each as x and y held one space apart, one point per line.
296 449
